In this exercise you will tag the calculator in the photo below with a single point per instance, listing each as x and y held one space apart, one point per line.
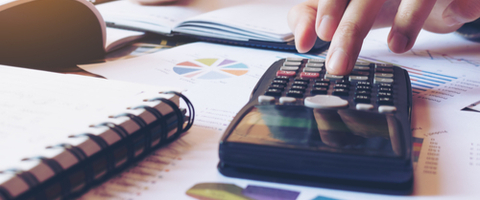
305 126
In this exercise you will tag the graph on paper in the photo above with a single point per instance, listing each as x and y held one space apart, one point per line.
423 81
210 68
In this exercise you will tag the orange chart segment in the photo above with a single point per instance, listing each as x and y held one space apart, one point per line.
210 68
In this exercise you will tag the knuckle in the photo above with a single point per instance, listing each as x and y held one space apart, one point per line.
352 29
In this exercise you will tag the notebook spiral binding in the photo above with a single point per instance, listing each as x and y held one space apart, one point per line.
90 170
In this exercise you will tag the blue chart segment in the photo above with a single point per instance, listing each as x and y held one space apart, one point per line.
210 68
423 81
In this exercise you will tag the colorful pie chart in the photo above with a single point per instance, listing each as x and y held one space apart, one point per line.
210 68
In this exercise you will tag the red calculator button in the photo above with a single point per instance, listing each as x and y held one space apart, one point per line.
309 75
286 73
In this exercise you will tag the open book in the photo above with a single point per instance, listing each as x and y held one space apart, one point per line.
62 133
261 23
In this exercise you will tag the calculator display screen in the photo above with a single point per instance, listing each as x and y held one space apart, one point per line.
333 130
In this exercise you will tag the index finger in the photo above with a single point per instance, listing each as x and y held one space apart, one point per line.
347 40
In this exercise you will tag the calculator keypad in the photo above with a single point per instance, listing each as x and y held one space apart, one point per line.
370 86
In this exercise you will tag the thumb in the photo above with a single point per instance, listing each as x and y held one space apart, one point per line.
461 11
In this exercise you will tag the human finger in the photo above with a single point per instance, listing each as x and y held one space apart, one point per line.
461 11
301 19
153 2
408 22
329 14
349 35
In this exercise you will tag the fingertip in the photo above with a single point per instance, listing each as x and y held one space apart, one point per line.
338 63
326 28
305 37
397 42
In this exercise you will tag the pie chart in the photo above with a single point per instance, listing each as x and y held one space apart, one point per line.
210 68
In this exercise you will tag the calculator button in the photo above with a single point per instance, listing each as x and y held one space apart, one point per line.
289 68
364 83
311 69
295 93
384 75
294 59
364 106
362 99
315 65
383 65
284 100
342 81
280 82
384 94
277 86
309 75
363 87
341 85
330 76
302 83
387 109
319 90
316 60
362 63
286 73
273 92
340 92
321 84
298 87
364 68
385 84
285 78
325 101
383 80
306 80
360 73
363 92
384 89
385 101
387 70
295 64
265 99
358 78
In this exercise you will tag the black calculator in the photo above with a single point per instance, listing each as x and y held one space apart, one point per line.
305 126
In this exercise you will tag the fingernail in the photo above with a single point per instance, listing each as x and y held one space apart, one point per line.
338 63
400 42
325 25
451 20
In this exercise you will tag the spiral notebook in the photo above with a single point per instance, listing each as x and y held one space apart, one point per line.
60 134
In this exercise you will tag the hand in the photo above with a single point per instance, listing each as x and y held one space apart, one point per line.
346 23
153 2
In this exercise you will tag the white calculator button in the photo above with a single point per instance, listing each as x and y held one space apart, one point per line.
384 75
364 106
294 59
361 68
315 65
316 60
358 78
383 65
362 63
325 101
387 109
284 100
292 63
383 80
310 69
288 68
265 99
330 76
